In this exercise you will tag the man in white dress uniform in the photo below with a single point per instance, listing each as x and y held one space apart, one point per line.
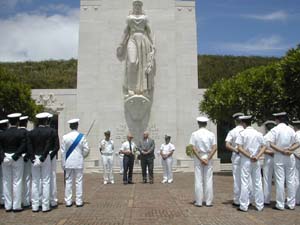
74 148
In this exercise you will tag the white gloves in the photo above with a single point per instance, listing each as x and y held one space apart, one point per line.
7 161
37 161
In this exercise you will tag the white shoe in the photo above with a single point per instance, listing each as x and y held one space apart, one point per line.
164 181
112 182
105 182
170 181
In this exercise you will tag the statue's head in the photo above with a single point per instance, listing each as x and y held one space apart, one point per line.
137 6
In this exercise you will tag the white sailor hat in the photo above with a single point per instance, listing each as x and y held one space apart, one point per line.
202 119
50 115
270 122
42 115
76 120
24 118
245 117
3 121
14 115
279 114
236 115
296 122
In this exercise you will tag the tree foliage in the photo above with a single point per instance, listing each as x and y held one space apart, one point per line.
258 91
15 96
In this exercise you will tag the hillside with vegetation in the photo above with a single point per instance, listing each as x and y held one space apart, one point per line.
61 74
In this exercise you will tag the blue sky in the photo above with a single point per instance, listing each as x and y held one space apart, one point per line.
227 27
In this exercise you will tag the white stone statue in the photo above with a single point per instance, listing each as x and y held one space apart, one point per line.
138 51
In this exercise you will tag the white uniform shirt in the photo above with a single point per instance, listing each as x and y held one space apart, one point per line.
251 140
297 151
75 160
107 147
167 148
203 140
232 136
283 136
125 146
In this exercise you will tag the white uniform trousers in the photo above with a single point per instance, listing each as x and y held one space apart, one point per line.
70 175
167 167
253 170
107 161
268 169
236 173
26 183
297 181
1 187
284 170
41 174
12 184
53 186
203 183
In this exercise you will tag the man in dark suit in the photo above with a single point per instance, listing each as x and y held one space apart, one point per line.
146 148
12 144
40 143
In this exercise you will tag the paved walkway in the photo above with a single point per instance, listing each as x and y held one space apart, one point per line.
140 204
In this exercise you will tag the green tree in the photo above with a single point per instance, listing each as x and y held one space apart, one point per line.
15 96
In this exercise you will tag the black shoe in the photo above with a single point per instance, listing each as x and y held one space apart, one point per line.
8 210
267 204
35 211
238 209
209 205
17 210
197 205
276 208
79 205
26 207
130 182
69 205
54 206
47 210
289 208
144 181
236 205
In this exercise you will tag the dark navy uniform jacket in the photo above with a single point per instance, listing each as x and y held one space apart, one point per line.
26 132
13 140
41 141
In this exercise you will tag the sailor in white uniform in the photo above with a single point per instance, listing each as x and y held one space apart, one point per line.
166 152
283 141
296 125
74 148
268 167
107 153
204 147
235 157
251 146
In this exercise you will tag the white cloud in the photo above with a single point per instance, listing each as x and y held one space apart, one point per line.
274 16
37 36
256 45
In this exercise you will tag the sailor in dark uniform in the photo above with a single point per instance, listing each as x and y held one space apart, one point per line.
40 142
27 164
12 142
3 127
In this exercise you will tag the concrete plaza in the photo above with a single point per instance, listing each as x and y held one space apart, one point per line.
140 204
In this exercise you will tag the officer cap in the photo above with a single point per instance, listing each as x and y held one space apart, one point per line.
3 121
50 115
269 122
14 115
202 119
76 120
245 117
42 115
236 115
279 114
24 118
296 122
